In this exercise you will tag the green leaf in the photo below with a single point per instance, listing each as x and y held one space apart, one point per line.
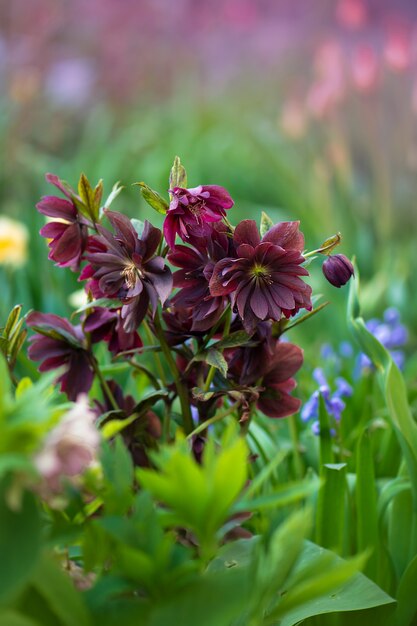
217 360
178 175
116 189
153 198
12 320
331 506
283 496
20 540
9 617
266 223
407 597
108 303
58 590
233 340
118 473
366 505
324 583
90 197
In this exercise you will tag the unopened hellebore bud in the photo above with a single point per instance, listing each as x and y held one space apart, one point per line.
338 269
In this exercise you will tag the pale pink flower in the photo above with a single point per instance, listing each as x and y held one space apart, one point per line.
397 47
71 447
364 68
352 13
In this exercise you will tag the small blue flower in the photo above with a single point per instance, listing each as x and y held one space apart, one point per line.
311 408
346 350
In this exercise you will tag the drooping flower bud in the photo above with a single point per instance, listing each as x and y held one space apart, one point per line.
338 269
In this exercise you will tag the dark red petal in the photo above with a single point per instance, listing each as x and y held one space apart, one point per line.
69 246
285 362
59 184
246 232
259 303
287 235
151 237
218 195
52 206
53 230
219 285
123 227
275 404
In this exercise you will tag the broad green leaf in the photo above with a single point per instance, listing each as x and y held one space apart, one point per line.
9 617
153 198
266 223
178 175
406 597
319 590
20 540
59 591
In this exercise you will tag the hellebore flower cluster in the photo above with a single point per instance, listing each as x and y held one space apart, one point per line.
263 277
213 307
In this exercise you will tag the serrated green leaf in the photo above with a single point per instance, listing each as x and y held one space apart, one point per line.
116 189
217 360
178 175
153 198
108 303
233 340
266 223
12 320
200 394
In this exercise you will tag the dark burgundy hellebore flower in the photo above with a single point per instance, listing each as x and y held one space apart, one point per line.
338 269
191 211
128 268
59 343
275 399
264 280
69 234
196 268
107 324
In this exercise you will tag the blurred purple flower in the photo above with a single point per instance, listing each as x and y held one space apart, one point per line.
192 211
70 82
58 343
264 280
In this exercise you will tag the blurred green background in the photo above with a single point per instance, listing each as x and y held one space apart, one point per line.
305 110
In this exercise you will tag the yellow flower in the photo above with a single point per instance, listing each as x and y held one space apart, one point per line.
14 238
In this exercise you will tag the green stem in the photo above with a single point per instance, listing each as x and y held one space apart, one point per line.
104 386
298 462
142 368
181 389
157 358
216 418
227 314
